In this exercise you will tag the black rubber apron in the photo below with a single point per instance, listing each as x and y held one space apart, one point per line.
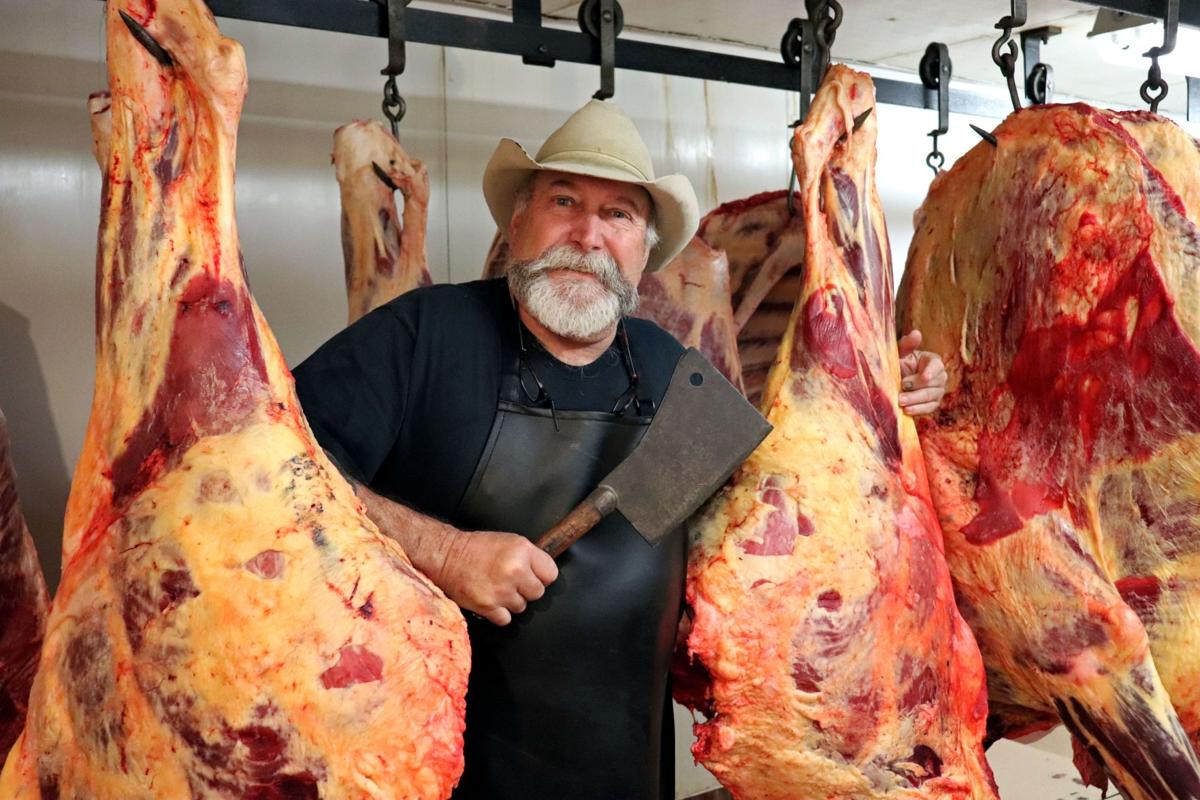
570 699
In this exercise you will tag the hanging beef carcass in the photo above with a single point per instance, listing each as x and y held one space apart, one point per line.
384 256
496 261
764 242
1059 276
22 604
689 298
229 622
837 665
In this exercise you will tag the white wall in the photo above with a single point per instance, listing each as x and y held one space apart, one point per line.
730 140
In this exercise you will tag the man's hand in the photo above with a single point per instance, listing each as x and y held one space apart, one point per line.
494 574
922 377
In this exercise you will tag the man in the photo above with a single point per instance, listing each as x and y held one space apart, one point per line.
494 407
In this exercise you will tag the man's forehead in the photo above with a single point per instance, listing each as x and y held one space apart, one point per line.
631 193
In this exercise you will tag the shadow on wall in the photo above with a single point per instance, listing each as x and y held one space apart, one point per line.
36 449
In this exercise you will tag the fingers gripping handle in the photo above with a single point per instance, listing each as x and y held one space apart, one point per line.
595 507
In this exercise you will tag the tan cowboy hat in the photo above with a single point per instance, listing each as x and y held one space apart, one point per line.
600 141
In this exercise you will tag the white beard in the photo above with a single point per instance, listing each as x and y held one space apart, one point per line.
576 310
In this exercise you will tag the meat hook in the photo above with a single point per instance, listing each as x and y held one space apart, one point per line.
381 173
147 41
990 138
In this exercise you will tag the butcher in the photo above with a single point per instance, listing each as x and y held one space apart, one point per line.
472 417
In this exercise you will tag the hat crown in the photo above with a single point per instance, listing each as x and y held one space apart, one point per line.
601 132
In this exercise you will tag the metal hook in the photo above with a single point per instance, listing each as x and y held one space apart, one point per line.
394 106
990 138
381 173
797 48
1007 62
1154 81
806 44
825 16
935 70
147 41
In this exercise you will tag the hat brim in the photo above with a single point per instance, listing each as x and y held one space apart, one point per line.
676 212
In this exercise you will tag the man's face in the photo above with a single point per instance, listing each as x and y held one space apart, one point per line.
577 249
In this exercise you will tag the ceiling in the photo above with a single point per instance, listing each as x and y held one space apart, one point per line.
895 34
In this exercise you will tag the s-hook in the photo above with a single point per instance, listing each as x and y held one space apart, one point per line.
603 20
1154 89
394 106
798 49
935 70
1007 62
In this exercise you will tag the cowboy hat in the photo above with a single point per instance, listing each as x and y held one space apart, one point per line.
600 141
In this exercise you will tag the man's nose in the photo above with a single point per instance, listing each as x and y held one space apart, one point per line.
588 233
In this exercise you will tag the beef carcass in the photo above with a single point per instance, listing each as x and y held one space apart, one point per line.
384 256
229 622
496 261
23 604
689 298
1059 276
838 666
764 242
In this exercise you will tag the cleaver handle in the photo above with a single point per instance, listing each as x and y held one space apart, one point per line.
595 507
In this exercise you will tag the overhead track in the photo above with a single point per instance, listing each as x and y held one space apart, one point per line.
536 43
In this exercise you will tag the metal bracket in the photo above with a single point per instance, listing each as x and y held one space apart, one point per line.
1007 62
396 37
529 13
603 19
935 71
1039 77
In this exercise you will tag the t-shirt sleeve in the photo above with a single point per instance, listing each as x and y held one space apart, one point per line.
353 389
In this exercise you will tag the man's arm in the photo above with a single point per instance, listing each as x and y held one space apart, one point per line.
491 573
353 391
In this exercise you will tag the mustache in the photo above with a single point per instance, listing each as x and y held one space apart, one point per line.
599 264
563 256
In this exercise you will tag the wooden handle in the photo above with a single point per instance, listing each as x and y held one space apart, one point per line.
595 507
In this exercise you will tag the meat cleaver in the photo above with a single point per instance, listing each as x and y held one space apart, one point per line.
703 430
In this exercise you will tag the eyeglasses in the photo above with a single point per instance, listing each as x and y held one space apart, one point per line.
541 397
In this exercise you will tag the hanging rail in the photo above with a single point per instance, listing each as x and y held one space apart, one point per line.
538 44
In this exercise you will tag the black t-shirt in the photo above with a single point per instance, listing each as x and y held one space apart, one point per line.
404 398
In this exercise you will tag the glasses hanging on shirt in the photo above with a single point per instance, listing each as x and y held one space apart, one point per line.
539 396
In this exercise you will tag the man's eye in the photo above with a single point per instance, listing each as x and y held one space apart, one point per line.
563 201
619 214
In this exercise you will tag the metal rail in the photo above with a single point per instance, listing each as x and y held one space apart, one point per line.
538 44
